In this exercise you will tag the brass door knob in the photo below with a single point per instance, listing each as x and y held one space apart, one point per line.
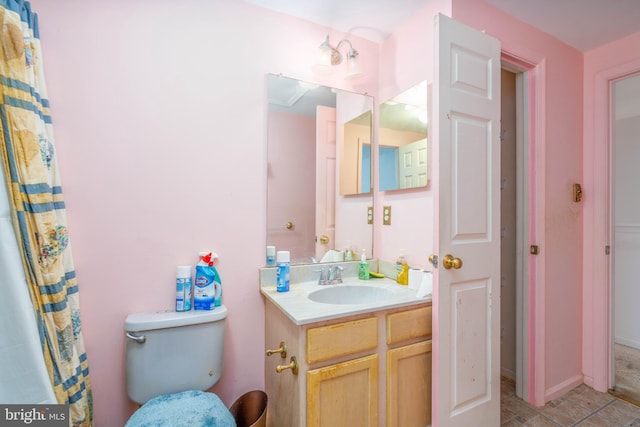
449 262
293 366
282 350
324 240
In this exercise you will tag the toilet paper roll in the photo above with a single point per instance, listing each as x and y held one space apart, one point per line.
426 285
415 278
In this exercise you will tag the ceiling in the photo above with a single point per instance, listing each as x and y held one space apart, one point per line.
583 24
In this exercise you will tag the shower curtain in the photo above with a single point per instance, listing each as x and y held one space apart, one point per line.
29 166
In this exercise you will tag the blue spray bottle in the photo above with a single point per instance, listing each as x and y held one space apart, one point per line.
208 286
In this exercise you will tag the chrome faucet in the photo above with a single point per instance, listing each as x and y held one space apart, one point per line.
331 275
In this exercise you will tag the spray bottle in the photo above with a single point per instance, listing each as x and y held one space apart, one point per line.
208 286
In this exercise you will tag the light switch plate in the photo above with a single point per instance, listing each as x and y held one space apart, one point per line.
386 215
369 214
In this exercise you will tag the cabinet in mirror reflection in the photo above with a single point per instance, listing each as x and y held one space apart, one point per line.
403 134
318 184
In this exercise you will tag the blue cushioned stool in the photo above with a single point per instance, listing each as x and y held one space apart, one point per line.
188 409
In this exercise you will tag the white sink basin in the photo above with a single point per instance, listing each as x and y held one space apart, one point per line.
351 294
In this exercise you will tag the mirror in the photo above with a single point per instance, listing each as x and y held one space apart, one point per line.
403 134
308 213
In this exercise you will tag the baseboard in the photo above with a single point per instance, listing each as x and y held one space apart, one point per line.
565 386
625 396
588 380
627 342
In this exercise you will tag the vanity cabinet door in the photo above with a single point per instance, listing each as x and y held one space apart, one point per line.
344 394
409 325
341 339
409 385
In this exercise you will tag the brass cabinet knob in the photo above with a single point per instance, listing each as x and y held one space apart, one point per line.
449 262
282 350
293 366
290 225
324 240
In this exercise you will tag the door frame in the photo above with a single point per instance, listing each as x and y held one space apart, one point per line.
530 293
598 225
613 226
522 226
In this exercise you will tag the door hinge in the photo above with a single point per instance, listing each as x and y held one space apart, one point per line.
607 250
534 250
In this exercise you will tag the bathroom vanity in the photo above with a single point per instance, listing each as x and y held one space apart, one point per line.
357 364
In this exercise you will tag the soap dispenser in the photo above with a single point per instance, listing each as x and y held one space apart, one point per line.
402 270
363 267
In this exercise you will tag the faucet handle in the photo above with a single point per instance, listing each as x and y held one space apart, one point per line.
323 274
336 271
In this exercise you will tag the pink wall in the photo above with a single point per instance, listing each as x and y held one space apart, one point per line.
601 65
291 185
159 110
562 141
408 60
129 81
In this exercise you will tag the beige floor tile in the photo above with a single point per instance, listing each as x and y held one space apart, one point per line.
518 407
540 421
582 407
596 420
565 412
620 413
589 398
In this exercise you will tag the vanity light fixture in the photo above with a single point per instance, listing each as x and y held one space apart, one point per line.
328 56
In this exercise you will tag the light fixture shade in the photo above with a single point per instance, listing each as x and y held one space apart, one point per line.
324 58
325 51
354 70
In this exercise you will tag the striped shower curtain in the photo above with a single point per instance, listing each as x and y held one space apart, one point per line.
38 213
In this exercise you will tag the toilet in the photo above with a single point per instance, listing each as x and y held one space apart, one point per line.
171 358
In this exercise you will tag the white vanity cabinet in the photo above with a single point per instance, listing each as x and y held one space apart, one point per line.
369 370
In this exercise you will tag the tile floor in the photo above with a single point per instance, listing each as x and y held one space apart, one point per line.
627 368
582 407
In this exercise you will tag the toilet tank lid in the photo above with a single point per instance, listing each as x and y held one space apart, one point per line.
170 319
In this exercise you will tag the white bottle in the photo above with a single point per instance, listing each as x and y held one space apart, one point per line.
183 288
271 256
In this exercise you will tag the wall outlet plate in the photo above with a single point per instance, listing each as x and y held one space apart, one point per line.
386 215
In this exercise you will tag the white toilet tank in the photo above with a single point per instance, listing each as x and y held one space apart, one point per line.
170 352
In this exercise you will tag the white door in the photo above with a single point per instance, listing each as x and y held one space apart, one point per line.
325 180
467 198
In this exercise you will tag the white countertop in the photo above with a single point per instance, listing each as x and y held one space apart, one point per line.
301 310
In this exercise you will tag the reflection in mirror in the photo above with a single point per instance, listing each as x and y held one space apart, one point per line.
355 156
403 132
306 214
